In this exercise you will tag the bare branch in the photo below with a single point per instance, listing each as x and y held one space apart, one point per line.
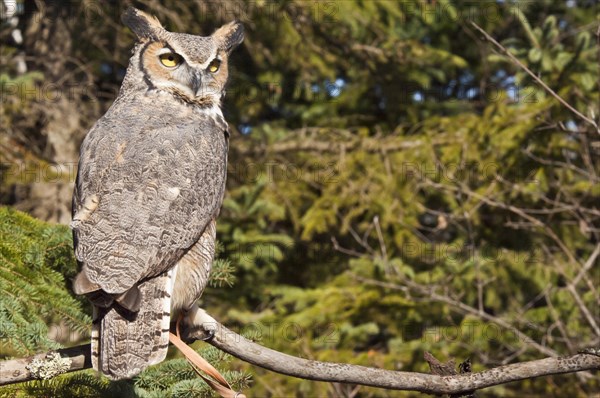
14 371
588 265
342 142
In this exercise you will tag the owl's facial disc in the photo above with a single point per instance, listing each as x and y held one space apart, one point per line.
180 75
194 79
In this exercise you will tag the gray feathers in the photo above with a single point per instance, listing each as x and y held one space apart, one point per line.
150 184
157 190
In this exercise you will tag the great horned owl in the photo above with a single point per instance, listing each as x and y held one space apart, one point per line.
149 187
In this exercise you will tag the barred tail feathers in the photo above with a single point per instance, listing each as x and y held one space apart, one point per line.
125 343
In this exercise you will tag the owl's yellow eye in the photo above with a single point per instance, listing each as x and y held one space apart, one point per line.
214 66
170 60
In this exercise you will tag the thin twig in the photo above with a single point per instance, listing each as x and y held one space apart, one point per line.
457 305
382 246
537 79
588 265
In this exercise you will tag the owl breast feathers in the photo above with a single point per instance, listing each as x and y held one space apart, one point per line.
149 187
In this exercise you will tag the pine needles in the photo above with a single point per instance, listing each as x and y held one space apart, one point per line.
36 263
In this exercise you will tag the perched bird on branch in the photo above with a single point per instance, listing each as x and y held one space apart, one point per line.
149 188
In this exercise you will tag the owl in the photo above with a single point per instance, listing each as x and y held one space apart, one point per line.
149 188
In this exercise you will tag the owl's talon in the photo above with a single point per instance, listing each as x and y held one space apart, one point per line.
197 325
189 335
210 335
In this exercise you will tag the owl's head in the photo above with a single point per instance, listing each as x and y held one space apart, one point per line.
192 68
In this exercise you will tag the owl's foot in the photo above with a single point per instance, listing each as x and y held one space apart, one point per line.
210 334
197 325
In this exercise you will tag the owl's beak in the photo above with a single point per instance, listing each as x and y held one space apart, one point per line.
197 84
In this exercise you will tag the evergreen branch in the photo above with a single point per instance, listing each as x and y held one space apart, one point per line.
14 371
516 61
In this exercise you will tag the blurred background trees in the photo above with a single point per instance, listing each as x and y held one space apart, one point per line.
395 184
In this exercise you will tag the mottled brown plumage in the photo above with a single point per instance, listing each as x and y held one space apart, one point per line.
149 187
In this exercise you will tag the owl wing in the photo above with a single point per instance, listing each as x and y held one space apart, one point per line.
143 197
123 345
142 203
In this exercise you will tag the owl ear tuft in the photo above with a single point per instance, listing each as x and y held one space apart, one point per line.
145 26
229 36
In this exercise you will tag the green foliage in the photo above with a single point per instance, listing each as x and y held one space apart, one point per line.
16 89
448 193
36 265
176 378
83 384
399 186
